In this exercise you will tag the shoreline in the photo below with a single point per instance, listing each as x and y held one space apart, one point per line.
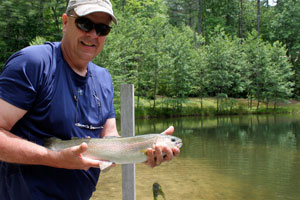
192 107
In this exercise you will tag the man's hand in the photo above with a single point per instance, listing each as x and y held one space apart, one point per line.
72 158
162 153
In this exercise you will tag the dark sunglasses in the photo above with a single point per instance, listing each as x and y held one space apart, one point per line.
87 25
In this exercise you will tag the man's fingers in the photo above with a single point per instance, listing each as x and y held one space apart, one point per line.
91 162
176 151
88 161
158 155
168 154
169 131
151 160
80 148
73 158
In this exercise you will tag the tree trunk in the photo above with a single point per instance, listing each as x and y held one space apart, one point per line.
201 102
275 104
190 14
155 85
241 20
258 18
217 103
123 4
56 19
7 28
138 86
199 17
41 22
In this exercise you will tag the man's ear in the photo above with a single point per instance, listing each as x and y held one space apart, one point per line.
64 21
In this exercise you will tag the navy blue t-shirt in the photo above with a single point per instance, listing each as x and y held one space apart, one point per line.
60 103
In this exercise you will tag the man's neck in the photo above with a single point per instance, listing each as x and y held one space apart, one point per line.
79 68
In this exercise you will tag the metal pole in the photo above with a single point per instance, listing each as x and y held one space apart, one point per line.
127 129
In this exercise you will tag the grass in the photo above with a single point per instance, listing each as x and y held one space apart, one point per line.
166 107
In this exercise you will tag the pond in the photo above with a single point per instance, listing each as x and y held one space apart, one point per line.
239 157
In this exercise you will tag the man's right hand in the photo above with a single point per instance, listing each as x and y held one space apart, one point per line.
72 158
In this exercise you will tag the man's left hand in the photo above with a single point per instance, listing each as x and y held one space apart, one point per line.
162 153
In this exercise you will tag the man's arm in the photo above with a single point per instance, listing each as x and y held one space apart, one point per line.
14 149
110 128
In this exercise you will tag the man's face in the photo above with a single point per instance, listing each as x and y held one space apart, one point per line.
81 46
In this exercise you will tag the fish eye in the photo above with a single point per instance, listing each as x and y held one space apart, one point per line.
173 140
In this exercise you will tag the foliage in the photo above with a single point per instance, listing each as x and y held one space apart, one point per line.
149 53
22 20
191 108
285 28
37 41
157 47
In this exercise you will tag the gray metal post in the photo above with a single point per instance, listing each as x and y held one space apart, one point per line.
127 129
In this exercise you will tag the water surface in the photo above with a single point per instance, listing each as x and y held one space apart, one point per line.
240 157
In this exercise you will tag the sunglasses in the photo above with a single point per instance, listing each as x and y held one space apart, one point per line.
87 25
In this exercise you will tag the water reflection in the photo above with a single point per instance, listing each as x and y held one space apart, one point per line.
241 157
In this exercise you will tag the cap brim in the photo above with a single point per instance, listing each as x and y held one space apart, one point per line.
88 9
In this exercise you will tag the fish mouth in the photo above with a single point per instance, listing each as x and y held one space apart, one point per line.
179 144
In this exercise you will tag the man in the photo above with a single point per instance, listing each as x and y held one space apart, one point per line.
54 90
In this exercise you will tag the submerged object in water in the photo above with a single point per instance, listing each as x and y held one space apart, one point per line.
157 190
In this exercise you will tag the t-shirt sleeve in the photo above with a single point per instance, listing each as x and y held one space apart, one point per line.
19 79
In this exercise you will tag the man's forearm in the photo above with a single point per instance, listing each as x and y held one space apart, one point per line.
110 128
14 149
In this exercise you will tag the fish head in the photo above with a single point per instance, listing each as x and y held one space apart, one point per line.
176 141
171 141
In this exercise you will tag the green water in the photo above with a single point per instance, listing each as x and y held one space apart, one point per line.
236 158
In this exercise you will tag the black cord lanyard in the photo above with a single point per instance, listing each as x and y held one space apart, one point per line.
76 99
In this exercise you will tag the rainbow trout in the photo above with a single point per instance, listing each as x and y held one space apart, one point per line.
119 150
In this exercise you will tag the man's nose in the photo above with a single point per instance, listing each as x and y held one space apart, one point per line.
92 33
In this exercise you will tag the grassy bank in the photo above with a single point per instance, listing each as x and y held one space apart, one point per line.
164 107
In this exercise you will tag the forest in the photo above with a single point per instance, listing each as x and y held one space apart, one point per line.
181 48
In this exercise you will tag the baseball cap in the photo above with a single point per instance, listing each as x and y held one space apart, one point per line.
85 7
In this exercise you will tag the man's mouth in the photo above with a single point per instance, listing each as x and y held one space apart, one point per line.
89 44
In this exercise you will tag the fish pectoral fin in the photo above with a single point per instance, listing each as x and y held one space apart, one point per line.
144 151
105 166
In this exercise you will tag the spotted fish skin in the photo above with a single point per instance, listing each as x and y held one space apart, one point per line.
119 150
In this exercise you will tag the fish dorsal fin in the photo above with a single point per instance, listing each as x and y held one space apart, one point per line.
110 137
